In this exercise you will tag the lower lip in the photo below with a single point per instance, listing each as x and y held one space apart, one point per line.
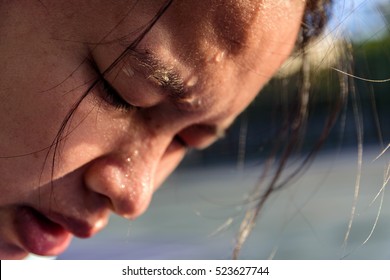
40 235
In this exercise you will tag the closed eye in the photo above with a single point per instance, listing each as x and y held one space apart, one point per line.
113 98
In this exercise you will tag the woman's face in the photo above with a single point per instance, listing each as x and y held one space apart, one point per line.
183 85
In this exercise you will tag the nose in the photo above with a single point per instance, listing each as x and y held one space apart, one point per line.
128 175
129 172
127 182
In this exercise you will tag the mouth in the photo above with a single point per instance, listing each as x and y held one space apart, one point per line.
48 234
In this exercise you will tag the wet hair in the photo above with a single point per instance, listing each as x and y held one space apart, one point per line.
315 18
316 15
279 171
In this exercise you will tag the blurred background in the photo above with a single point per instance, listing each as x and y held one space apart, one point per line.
197 213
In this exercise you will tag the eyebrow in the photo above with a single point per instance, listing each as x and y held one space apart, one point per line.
168 79
159 73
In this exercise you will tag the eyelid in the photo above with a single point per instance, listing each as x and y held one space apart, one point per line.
107 91
142 68
160 74
113 98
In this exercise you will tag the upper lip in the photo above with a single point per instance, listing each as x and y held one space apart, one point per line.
82 228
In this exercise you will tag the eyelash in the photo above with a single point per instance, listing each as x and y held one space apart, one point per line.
112 97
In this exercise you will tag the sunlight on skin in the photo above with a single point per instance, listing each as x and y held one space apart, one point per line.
182 86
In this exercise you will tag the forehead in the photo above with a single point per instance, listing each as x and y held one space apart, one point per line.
223 24
252 37
229 26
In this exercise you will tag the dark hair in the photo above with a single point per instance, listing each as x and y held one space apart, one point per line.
317 14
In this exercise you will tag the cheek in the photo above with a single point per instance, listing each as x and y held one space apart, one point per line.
90 133
27 132
29 123
170 160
